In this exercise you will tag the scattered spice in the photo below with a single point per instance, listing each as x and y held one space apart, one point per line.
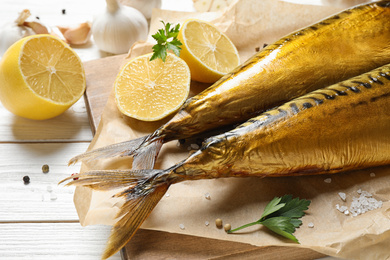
45 168
227 227
194 146
265 45
310 225
207 196
218 223
53 196
182 141
26 179
63 11
182 226
49 188
74 178
343 196
372 174
207 223
365 202
257 49
328 180
37 17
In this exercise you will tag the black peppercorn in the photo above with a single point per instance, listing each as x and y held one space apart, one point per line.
26 179
63 11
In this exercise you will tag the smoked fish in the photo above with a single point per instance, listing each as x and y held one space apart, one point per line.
344 45
343 127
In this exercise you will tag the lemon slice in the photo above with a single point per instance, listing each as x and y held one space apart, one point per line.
208 52
151 90
40 77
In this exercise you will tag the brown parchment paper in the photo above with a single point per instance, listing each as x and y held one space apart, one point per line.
250 24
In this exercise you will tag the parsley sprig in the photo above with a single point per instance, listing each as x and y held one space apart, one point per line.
281 215
166 40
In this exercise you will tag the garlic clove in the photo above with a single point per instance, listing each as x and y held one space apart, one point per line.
76 35
23 17
37 27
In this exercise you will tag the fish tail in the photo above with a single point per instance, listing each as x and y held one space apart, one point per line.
143 190
119 149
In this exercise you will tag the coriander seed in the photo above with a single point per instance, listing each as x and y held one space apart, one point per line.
227 227
218 223
45 168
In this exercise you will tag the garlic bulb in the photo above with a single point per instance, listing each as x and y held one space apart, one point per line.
144 6
12 32
116 29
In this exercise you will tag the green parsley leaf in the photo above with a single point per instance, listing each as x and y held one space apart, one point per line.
166 41
281 215
273 206
281 226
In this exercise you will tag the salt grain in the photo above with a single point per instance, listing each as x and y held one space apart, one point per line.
365 202
207 196
372 174
194 146
167 195
310 225
207 223
182 226
53 196
343 196
328 180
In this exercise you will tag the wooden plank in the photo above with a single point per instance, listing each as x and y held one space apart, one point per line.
42 199
73 125
101 75
148 244
161 245
47 241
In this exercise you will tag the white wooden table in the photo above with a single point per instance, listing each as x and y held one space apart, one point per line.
38 220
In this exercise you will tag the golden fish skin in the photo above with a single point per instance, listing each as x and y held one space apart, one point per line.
344 45
343 127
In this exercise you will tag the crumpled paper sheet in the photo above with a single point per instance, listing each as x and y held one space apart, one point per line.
250 24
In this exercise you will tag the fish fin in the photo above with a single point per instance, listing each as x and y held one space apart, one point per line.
145 157
144 189
108 179
133 213
119 149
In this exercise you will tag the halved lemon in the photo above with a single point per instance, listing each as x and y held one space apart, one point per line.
209 53
40 77
151 90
